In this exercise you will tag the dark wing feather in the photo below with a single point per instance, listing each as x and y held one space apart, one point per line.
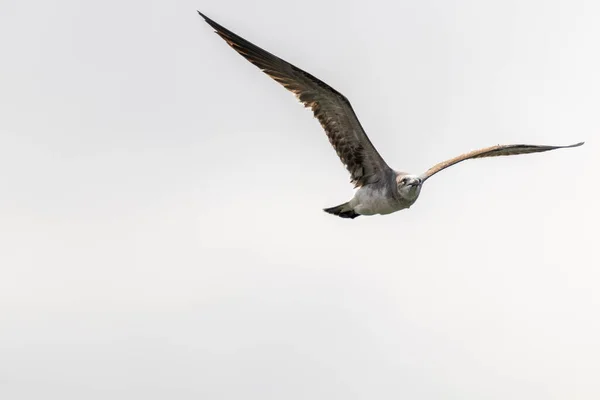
330 107
493 151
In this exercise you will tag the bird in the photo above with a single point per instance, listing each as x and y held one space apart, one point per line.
378 189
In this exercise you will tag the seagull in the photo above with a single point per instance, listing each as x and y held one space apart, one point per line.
378 188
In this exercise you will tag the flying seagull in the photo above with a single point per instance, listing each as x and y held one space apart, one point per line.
380 189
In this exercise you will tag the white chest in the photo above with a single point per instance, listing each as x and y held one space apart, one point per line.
369 201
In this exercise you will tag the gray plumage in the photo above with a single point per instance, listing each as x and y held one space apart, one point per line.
381 190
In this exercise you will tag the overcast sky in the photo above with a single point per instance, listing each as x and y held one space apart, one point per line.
161 224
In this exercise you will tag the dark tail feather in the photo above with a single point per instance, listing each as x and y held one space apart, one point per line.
343 210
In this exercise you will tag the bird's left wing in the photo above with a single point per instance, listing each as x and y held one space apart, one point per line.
493 151
331 108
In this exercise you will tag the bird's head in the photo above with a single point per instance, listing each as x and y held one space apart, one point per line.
409 186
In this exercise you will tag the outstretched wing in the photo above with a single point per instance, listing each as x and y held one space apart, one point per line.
331 108
493 151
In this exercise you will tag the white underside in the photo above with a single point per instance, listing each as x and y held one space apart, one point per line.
367 201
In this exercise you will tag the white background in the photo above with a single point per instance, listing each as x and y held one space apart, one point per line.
161 224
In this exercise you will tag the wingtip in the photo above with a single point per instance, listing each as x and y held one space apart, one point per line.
209 21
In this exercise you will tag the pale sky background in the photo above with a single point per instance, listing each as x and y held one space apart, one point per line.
161 224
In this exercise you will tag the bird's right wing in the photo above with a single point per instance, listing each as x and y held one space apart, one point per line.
493 151
331 108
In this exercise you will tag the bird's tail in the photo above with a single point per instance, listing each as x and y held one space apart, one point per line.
343 211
